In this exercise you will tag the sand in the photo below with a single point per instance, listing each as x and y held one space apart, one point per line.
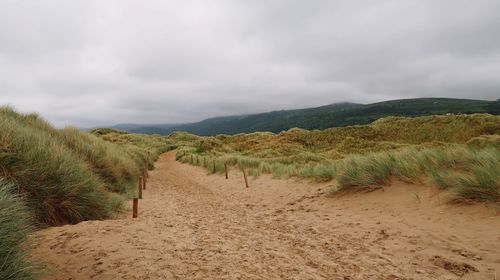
193 225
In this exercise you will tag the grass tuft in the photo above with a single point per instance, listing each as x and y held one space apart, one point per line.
15 227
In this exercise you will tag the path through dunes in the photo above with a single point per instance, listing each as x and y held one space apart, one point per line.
197 226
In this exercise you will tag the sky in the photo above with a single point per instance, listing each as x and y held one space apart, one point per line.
94 63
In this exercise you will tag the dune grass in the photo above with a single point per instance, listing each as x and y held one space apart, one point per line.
114 165
140 147
470 173
58 186
15 226
455 152
52 176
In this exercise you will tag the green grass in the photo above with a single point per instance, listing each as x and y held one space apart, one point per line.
58 186
140 147
475 175
52 176
15 226
455 152
117 167
471 174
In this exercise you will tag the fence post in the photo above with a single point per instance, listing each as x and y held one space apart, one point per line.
144 181
245 176
214 166
225 169
135 207
147 161
139 186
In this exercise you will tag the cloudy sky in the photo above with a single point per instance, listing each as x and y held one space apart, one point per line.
91 63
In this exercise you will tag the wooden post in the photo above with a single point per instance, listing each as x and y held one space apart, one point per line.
135 208
214 166
146 165
245 176
225 169
144 181
192 160
139 187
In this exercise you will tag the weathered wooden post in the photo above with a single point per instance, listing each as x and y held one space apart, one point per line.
245 176
144 181
214 166
225 169
135 207
147 162
139 186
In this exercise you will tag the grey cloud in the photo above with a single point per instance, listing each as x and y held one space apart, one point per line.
91 63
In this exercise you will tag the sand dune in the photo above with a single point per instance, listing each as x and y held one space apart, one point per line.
197 226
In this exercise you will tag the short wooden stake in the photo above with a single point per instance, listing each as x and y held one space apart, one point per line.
144 181
147 161
245 176
214 165
135 208
139 187
225 169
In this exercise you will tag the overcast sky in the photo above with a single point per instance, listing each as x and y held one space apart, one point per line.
91 63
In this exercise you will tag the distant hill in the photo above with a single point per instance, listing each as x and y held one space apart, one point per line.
163 129
334 115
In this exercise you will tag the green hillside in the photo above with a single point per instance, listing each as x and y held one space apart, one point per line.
335 115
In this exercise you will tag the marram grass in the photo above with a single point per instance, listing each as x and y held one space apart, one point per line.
58 186
456 152
15 226
52 176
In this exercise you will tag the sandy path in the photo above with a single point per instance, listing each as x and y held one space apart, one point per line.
195 226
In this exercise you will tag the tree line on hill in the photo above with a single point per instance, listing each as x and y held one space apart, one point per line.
334 115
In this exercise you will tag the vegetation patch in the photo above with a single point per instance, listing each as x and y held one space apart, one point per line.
460 153
52 176
15 226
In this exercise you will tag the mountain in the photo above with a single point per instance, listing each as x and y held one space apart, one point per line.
333 115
